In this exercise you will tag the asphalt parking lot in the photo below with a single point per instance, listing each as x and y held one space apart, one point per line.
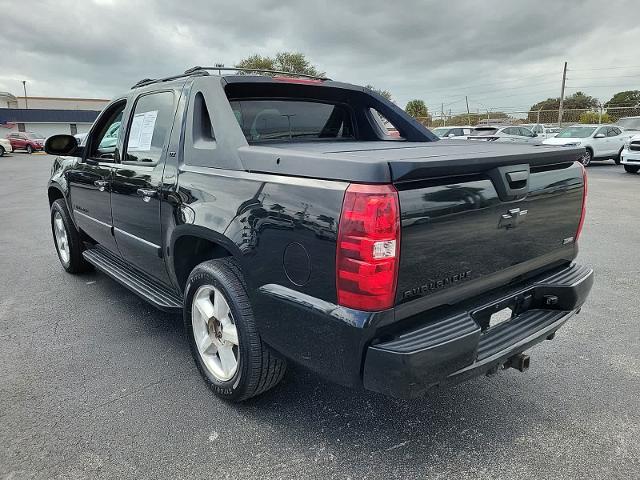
95 383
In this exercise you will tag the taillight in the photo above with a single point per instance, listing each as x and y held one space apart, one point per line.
584 202
368 247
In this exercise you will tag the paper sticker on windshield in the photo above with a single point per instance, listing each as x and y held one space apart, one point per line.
141 133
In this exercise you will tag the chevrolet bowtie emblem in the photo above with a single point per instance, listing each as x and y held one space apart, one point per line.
512 218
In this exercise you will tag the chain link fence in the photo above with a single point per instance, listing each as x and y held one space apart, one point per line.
547 117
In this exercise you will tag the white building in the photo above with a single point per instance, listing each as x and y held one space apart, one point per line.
47 116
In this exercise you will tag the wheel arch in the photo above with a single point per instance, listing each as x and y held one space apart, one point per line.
191 245
54 193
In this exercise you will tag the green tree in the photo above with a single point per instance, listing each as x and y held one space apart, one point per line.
291 62
628 98
578 100
594 117
417 109
385 93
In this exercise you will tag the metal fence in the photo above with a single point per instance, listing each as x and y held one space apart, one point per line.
547 117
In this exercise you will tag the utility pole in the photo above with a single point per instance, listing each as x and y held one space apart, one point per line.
600 114
564 79
444 122
24 85
468 114
219 65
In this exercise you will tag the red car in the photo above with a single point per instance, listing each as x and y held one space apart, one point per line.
28 141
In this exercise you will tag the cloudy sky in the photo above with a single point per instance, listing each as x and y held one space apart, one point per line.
504 55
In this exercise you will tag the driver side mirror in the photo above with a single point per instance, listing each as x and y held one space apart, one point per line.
451 135
599 135
64 145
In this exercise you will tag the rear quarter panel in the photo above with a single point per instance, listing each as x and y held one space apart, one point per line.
257 216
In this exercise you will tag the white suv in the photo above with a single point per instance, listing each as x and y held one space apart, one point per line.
630 157
600 141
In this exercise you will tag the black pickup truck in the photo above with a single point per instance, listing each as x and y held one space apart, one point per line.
285 221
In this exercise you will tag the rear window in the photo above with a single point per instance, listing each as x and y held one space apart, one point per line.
264 120
484 131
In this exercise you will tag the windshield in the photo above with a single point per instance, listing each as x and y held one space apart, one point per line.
629 123
576 132
264 120
440 131
484 131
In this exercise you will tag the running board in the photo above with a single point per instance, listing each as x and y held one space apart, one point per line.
142 285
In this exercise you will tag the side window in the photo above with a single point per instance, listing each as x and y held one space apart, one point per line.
613 132
525 132
149 128
510 131
104 142
387 129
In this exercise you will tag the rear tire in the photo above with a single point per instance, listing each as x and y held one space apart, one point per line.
631 168
67 239
223 336
29 149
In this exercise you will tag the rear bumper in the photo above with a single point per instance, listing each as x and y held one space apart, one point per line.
456 346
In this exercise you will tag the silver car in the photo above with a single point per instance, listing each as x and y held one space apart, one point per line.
505 133
452 132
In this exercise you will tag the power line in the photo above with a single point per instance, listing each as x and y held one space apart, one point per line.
605 76
466 87
602 68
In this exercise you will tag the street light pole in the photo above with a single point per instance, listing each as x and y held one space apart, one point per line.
24 86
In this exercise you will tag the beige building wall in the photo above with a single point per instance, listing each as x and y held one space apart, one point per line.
56 103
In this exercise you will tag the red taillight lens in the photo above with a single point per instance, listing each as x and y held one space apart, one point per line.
584 203
368 247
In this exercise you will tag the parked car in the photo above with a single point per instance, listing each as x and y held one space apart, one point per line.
601 142
5 146
630 156
505 133
630 126
452 132
28 141
279 217
542 131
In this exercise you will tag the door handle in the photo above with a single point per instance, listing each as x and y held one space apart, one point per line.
147 193
101 184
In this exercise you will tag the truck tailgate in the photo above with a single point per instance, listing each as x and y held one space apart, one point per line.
492 223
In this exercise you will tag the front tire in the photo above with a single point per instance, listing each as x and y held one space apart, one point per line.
29 149
631 168
223 336
67 239
587 157
618 157
2 151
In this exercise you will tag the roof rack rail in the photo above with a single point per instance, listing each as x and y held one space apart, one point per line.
188 73
205 71
255 70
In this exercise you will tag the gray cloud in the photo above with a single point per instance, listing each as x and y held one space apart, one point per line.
502 54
